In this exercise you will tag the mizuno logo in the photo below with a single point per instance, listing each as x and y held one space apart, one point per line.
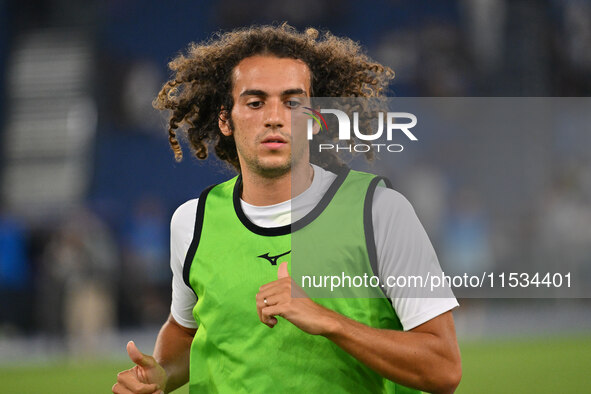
273 259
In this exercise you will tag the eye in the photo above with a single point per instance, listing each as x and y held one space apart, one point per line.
292 104
255 104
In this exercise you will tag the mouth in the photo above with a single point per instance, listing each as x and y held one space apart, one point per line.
274 142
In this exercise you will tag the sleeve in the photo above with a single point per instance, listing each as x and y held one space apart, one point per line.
181 233
404 250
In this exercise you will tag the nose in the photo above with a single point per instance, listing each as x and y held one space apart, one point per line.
275 115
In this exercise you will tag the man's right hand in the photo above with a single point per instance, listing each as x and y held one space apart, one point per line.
147 377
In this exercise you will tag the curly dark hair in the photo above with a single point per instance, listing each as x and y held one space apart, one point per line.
202 81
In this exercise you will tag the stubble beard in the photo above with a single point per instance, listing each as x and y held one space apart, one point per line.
273 171
257 166
269 170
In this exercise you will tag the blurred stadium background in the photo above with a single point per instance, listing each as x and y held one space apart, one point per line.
88 184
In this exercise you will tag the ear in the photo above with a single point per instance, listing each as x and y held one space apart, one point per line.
303 117
224 122
315 125
315 128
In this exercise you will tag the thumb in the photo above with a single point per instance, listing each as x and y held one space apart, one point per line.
282 271
138 357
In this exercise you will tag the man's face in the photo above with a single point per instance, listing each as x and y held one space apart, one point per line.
266 90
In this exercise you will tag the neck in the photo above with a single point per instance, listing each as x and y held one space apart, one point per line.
260 190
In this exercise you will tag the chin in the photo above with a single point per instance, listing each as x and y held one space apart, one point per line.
273 169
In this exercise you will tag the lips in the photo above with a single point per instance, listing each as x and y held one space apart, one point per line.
274 139
274 142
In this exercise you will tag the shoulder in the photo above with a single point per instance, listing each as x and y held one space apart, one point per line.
383 196
395 221
390 200
323 175
183 218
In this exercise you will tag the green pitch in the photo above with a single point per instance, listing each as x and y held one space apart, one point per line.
526 366
64 378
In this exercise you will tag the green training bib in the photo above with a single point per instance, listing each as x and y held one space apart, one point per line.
231 257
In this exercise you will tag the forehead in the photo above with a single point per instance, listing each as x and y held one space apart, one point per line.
270 74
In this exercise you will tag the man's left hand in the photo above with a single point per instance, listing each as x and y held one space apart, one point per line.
298 309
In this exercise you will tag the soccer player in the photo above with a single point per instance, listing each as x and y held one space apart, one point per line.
229 248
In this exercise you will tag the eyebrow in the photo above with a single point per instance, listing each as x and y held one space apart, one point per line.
262 93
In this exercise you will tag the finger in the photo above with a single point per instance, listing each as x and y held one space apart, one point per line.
271 322
272 291
147 389
268 315
129 380
273 296
283 282
119 389
260 306
138 357
271 300
282 271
